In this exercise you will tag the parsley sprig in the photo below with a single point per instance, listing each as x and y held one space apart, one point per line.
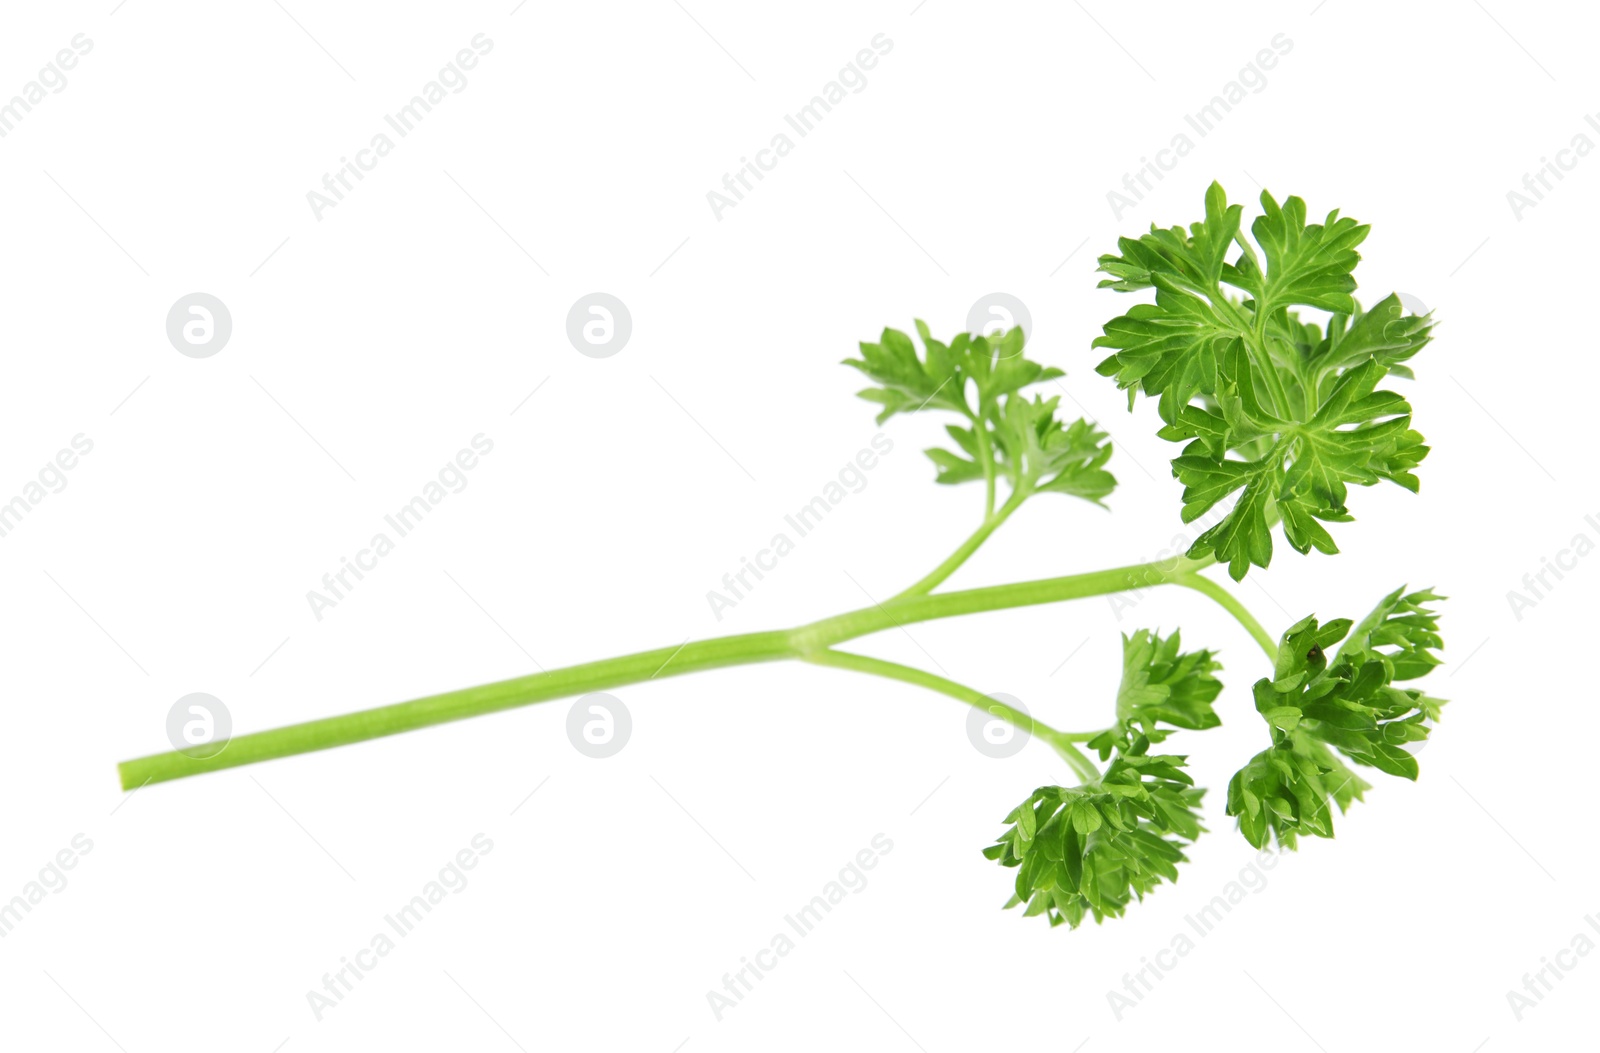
1002 435
1279 414
1089 850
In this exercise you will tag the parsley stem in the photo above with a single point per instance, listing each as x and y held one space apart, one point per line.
1231 604
695 656
1060 741
912 609
743 649
991 523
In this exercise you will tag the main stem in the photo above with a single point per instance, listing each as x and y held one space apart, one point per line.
742 649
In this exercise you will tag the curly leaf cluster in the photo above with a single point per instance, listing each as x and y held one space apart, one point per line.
1005 433
1277 409
1319 710
1091 850
1162 684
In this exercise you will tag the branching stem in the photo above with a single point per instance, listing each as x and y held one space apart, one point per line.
813 643
1062 742
695 656
1231 604
991 523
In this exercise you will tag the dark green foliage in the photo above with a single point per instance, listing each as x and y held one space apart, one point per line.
1319 708
1091 849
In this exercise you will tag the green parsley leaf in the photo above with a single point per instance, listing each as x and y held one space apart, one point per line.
1161 684
1350 705
1272 407
1091 850
983 368
1005 434
1285 791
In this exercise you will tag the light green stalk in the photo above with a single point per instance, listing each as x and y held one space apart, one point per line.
809 642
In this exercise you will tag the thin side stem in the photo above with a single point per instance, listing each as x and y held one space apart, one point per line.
936 577
1060 741
1230 603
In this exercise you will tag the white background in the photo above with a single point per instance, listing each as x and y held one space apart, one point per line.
375 342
